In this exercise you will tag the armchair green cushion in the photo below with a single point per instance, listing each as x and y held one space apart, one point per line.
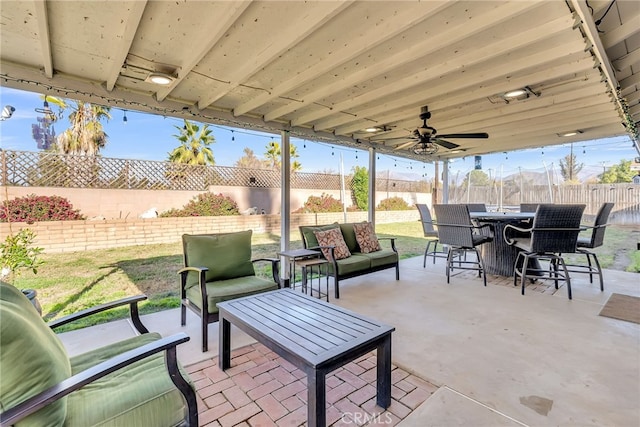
227 256
350 237
224 290
107 401
32 358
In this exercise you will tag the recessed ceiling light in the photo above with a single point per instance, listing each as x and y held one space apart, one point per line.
570 133
160 78
372 129
515 93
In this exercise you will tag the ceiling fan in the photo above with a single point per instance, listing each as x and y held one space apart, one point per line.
424 140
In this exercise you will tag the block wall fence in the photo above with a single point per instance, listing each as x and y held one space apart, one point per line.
71 236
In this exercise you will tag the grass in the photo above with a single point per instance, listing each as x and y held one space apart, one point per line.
70 282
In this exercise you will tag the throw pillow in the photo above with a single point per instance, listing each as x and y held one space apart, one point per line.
332 237
366 237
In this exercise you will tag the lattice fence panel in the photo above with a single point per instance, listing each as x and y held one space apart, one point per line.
45 169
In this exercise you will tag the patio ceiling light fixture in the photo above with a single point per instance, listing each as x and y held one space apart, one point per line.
519 94
570 133
160 78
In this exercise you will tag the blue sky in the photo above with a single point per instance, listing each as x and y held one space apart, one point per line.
150 137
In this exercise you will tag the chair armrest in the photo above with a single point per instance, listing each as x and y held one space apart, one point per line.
331 249
509 239
393 242
275 267
133 310
71 384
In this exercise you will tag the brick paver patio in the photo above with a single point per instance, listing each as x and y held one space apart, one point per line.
262 389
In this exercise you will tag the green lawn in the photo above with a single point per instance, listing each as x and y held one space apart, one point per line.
70 282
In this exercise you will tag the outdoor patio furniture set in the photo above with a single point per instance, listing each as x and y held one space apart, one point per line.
515 243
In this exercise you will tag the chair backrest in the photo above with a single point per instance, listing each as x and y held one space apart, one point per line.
226 255
556 228
477 207
528 207
600 225
427 221
454 225
32 358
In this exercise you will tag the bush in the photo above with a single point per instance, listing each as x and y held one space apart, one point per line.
34 208
206 204
360 187
393 204
324 203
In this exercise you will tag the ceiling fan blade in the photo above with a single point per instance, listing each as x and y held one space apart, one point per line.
482 135
406 144
446 144
399 137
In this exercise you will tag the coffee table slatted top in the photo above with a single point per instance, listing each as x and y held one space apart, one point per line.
316 331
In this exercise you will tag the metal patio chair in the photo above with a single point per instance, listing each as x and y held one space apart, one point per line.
555 232
430 233
456 230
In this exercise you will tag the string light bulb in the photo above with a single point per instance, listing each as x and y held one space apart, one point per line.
124 116
233 137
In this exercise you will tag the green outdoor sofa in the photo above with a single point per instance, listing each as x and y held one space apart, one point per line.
358 262
134 382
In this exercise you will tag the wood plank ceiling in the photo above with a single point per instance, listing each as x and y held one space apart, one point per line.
328 70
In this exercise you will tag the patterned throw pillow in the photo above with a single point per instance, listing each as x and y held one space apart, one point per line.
333 237
366 237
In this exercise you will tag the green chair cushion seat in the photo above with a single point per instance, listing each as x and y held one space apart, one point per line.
382 257
32 357
227 256
107 401
353 264
224 290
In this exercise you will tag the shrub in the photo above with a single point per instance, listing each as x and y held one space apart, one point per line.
324 203
393 204
206 204
34 208
360 187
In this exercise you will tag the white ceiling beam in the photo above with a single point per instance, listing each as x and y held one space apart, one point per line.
486 54
626 61
132 21
202 47
633 79
42 19
469 79
373 36
287 38
630 27
468 96
475 25
633 97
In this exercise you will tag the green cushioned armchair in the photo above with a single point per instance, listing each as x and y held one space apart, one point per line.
218 267
134 382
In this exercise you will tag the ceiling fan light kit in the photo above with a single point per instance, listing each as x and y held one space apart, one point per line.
425 139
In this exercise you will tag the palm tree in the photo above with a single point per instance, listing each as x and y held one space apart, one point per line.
194 145
273 156
86 135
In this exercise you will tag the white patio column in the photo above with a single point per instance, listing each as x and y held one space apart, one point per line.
285 197
372 186
445 181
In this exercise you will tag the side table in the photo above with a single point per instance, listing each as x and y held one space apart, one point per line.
308 265
294 256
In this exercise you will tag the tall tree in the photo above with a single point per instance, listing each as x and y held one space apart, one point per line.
478 178
194 145
86 135
249 160
273 156
569 169
617 173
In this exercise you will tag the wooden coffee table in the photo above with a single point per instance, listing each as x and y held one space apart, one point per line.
313 335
